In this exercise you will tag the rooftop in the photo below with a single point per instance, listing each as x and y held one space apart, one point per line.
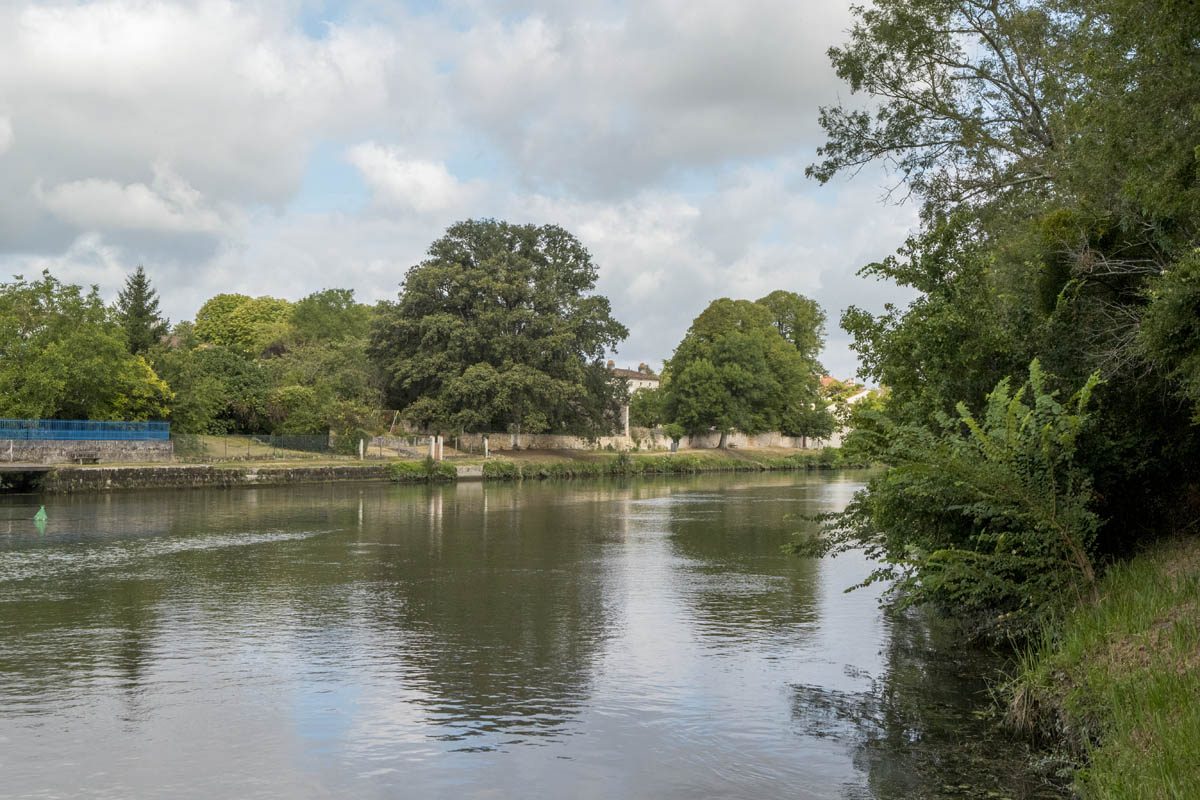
634 375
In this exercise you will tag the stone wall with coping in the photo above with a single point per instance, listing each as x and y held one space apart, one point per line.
62 451
642 438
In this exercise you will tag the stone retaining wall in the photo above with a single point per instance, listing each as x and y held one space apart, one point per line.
642 438
88 479
62 451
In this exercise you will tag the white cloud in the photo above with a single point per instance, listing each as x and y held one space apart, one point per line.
417 184
607 104
670 136
228 93
88 260
168 205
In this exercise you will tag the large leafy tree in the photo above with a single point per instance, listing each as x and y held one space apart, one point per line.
967 96
218 390
330 315
1054 149
498 328
62 357
734 370
241 322
799 320
137 312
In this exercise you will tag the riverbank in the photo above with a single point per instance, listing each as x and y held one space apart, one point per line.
1119 681
68 480
547 464
520 465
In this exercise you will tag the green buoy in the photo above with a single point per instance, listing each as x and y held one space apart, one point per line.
41 515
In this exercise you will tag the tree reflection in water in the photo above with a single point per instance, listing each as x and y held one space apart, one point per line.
927 727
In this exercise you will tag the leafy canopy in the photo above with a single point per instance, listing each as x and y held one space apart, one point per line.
61 357
497 328
240 322
734 370
990 516
1054 149
330 315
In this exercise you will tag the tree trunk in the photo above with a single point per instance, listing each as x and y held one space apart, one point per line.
724 437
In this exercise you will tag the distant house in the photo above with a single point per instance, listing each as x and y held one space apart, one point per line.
638 379
641 378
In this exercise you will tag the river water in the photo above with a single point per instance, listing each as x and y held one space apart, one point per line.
587 639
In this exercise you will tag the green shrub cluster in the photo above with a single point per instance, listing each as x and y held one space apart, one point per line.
427 471
989 517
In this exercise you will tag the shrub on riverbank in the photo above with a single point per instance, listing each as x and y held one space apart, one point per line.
990 518
421 471
1119 680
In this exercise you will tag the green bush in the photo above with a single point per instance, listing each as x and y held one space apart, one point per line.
501 470
421 471
828 457
990 518
347 444
631 464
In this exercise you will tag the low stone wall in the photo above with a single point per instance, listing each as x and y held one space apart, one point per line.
709 441
61 451
540 441
641 438
90 479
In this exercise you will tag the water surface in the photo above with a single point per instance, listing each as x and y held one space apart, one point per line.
588 638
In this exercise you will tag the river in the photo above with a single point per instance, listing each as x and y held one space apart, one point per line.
620 638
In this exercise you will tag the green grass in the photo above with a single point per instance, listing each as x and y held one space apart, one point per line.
638 464
627 464
1120 681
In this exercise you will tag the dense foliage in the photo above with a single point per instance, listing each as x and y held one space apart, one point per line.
63 357
990 516
265 365
1055 150
497 329
745 366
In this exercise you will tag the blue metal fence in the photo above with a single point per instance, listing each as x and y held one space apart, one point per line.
83 430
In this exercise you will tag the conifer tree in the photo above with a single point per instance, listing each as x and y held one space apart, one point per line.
137 313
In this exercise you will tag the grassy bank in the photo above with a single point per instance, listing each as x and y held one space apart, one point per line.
529 465
639 464
1119 681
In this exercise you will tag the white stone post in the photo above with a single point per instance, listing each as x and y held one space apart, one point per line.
361 442
440 448
485 447
433 447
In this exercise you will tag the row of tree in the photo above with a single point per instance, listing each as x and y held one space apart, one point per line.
1054 148
247 364
498 329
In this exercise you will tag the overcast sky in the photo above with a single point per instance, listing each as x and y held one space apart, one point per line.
284 147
